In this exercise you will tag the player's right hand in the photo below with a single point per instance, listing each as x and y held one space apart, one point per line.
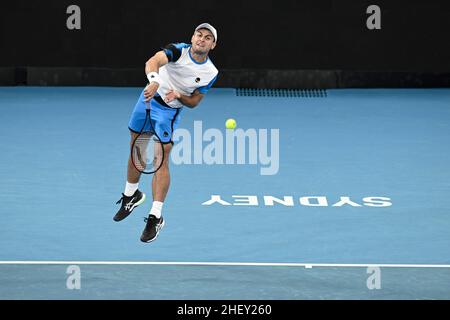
150 91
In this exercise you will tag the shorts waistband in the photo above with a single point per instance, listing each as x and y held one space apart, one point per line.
161 101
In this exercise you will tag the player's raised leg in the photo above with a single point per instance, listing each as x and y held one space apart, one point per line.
131 197
160 188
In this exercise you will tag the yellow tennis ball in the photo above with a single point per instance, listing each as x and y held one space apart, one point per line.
230 124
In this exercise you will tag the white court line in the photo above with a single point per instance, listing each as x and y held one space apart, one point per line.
226 264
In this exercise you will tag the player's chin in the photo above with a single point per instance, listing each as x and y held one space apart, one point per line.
201 51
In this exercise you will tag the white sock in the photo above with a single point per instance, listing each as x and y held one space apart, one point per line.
156 209
130 188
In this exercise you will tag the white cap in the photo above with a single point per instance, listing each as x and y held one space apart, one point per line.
210 28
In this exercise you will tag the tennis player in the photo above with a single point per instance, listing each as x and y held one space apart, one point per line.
179 76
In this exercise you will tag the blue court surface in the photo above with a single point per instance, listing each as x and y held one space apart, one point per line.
354 202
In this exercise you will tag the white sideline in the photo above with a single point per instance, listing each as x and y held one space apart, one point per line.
226 264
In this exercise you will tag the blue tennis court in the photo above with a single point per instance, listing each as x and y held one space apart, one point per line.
329 186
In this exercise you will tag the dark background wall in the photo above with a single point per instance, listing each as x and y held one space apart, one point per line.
278 43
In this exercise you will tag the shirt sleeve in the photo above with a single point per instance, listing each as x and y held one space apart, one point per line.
204 89
173 51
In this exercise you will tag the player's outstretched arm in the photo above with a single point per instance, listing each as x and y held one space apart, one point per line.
151 70
157 61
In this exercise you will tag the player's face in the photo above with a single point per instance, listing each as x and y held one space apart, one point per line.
203 41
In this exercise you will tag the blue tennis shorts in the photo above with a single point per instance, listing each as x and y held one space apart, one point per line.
164 118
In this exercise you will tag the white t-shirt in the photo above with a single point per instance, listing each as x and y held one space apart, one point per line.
184 74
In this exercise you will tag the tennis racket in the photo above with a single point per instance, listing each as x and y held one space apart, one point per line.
147 150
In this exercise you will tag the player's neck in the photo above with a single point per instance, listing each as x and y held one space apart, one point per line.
198 57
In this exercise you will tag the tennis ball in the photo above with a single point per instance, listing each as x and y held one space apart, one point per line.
230 124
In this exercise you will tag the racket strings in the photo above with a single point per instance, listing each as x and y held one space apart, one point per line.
147 153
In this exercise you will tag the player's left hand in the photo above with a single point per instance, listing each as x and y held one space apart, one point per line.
172 95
